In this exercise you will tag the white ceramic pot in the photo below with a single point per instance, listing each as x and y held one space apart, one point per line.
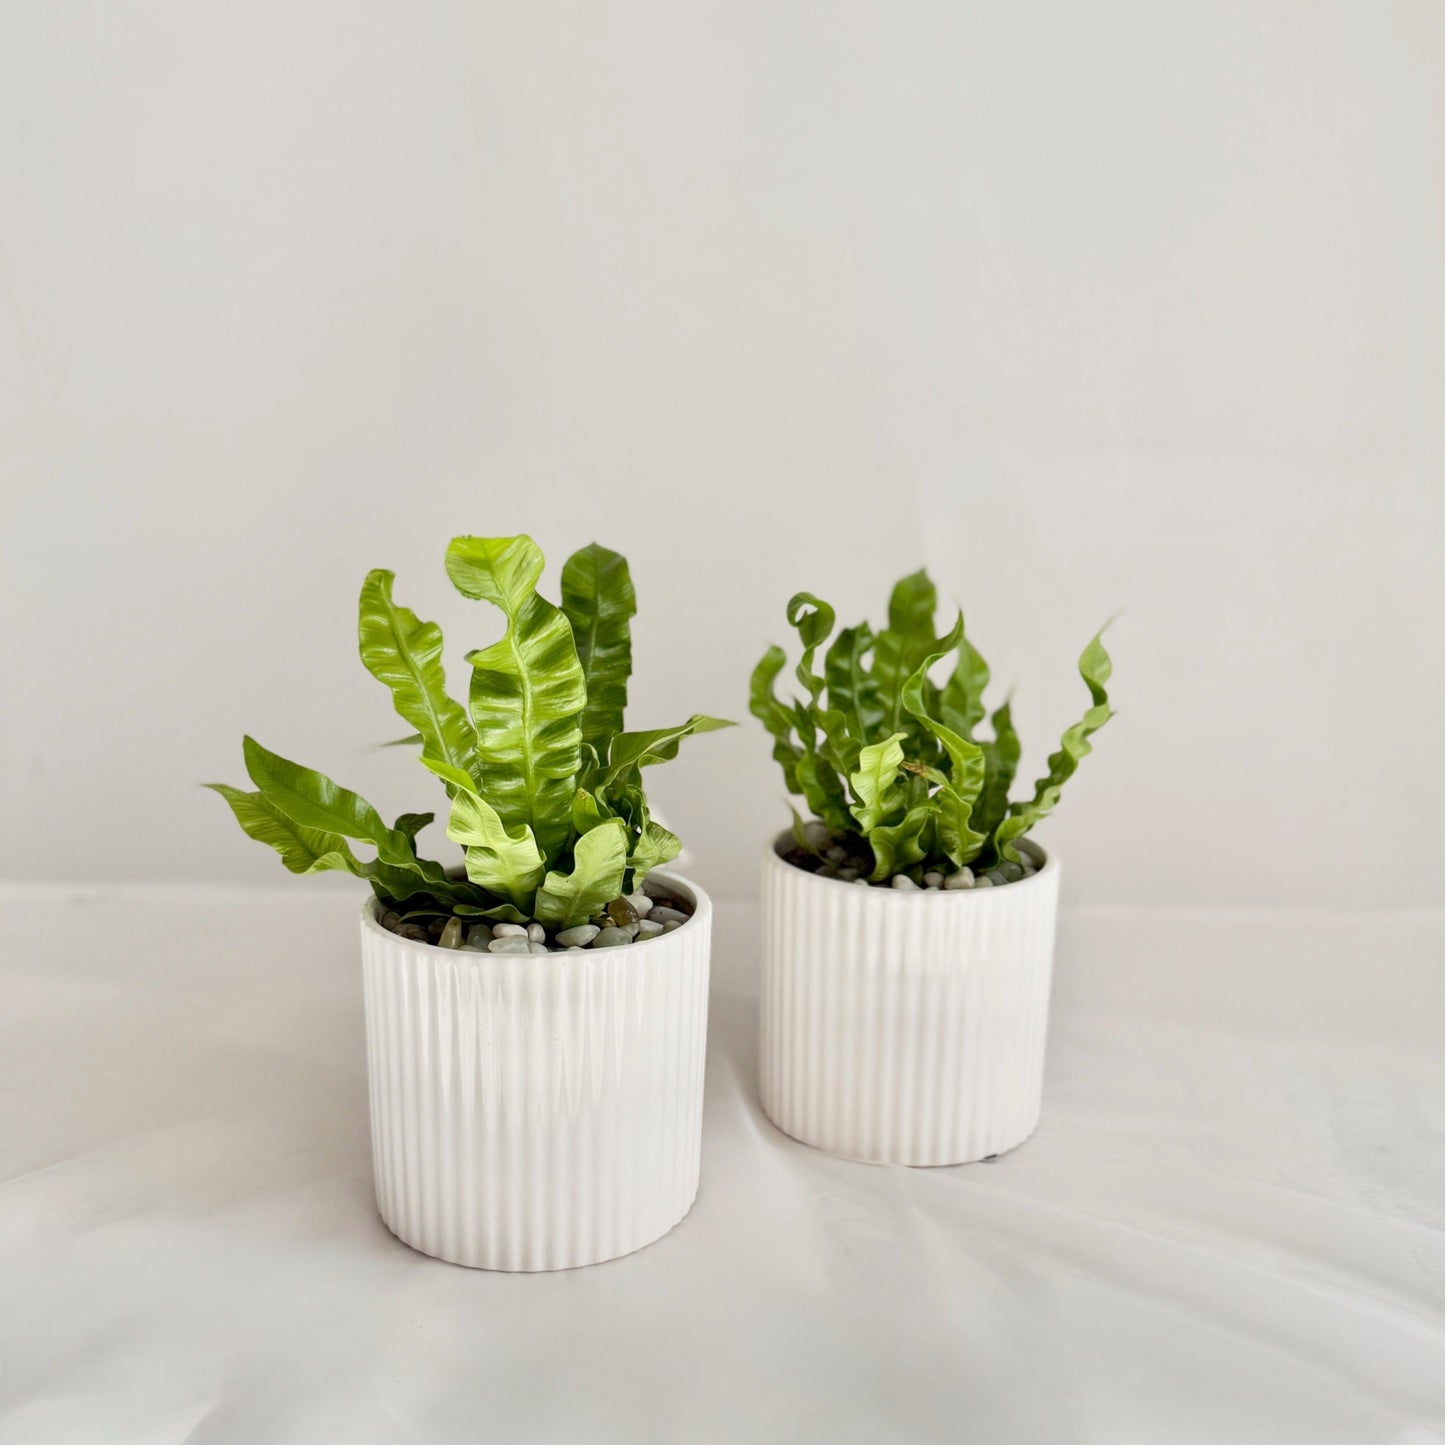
534 1111
905 1026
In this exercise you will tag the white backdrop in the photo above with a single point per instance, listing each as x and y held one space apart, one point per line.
1087 307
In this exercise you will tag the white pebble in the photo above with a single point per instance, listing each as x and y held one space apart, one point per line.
984 882
667 915
535 947
933 879
848 875
904 882
612 938
574 949
962 879
863 881
509 930
509 944
837 855
578 937
641 902
649 928
536 933
817 835
671 927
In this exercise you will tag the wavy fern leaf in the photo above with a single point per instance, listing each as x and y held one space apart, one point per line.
405 653
598 599
1095 667
527 691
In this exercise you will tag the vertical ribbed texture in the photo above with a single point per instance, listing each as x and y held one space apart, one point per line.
536 1112
905 1027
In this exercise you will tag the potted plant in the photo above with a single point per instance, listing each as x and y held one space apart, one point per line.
535 1020
909 927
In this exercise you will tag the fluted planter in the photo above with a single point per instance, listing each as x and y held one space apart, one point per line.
905 1027
533 1112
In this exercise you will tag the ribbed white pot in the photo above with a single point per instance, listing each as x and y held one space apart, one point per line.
534 1111
905 1027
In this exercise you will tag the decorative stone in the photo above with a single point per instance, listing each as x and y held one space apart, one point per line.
962 879
641 903
575 949
390 919
508 930
578 937
933 879
817 835
903 882
479 935
414 931
612 938
984 882
996 877
510 943
536 933
451 934
671 926
668 915
1011 872
848 875
863 881
534 947
835 854
649 928
621 912
435 925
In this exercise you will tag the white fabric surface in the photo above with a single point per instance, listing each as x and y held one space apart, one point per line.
1227 1228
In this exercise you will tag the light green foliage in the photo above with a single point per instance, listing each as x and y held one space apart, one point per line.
546 793
885 755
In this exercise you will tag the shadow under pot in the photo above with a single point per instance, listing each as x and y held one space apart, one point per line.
536 1111
905 1026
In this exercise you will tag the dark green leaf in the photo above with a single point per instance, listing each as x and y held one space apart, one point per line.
907 640
598 599
1000 764
961 704
410 824
953 800
852 689
775 715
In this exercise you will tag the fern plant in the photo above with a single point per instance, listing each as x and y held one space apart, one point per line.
545 787
888 759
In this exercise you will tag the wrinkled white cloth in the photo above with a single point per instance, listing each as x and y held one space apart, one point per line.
1230 1226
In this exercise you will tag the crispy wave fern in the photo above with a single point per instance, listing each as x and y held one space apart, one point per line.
545 787
883 751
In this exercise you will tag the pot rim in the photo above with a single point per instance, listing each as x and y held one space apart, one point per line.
702 909
1050 866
